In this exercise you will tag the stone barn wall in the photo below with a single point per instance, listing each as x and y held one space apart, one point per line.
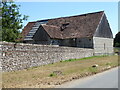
103 46
21 56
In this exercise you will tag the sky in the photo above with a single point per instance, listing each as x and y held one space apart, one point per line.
47 10
67 0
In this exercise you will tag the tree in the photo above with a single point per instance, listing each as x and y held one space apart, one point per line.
0 23
117 40
11 21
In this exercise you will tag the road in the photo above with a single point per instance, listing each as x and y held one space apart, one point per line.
107 79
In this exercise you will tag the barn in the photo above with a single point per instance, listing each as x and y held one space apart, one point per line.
90 30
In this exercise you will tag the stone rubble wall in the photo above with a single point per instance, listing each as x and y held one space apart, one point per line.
21 56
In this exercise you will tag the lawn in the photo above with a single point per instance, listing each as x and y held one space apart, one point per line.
57 73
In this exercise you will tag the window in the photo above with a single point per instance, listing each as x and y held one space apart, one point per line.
89 39
65 25
104 46
54 42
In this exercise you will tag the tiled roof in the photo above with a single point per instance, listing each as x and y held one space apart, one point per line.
74 26
53 31
27 28
70 27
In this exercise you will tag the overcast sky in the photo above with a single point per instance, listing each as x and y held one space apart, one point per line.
48 10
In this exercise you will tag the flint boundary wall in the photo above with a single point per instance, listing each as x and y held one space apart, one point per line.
21 56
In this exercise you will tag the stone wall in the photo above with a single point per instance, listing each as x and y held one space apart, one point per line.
22 56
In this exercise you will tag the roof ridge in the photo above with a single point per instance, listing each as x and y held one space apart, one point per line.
79 15
74 15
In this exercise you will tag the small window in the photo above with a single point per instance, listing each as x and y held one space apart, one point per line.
89 39
64 26
104 46
54 42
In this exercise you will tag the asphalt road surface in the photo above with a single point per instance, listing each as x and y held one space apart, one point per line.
107 79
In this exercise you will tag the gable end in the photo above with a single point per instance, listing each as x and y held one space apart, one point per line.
103 29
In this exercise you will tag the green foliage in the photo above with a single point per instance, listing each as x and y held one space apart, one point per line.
117 44
116 49
0 23
11 21
117 40
0 29
52 74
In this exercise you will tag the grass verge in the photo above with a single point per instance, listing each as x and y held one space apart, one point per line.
70 60
57 73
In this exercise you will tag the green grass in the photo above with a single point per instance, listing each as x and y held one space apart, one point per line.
109 63
93 70
86 58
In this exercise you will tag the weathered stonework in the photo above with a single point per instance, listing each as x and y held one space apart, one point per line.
21 56
103 46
